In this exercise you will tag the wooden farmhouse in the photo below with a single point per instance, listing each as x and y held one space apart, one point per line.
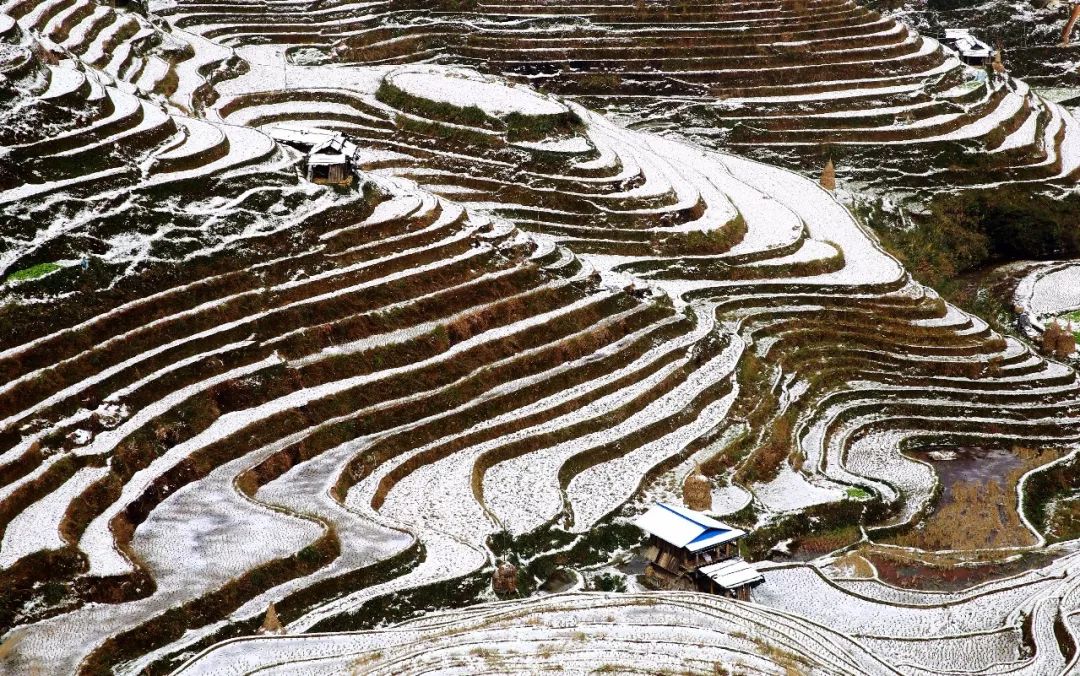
329 167
329 159
689 550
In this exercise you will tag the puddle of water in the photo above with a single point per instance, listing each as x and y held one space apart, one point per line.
561 580
915 575
976 508
955 464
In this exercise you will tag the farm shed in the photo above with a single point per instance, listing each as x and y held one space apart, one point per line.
329 158
972 50
328 167
684 544
732 577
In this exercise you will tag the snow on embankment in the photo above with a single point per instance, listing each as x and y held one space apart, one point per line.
779 84
129 49
311 358
384 378
110 179
1050 290
574 633
624 200
1013 620
800 621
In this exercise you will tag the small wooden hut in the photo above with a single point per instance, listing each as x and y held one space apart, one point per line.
970 49
732 577
329 156
329 167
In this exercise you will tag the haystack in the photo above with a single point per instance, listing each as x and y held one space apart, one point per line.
1066 344
504 581
8 645
1058 340
271 624
697 491
828 176
998 65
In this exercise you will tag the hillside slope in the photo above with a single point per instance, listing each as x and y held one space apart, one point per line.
223 387
1029 35
786 82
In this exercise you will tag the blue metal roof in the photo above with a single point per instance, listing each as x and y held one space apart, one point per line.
686 528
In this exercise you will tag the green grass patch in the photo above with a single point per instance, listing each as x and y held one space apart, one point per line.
39 270
856 493
472 116
1075 318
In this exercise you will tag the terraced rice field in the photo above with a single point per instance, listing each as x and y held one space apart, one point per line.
1031 31
224 387
787 82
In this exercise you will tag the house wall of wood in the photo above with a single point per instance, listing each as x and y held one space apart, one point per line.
742 593
335 174
677 559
